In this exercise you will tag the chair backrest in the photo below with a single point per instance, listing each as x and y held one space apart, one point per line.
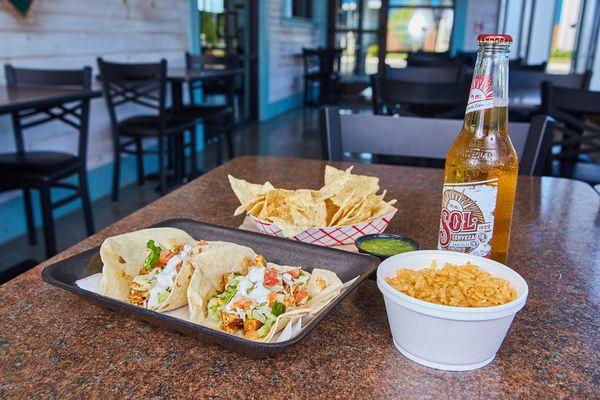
423 99
75 114
77 78
571 110
141 84
427 59
414 137
533 79
424 74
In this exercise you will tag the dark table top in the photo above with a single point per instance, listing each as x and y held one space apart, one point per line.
55 345
19 98
183 74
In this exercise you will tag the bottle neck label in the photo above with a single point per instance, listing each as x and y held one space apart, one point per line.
481 95
467 220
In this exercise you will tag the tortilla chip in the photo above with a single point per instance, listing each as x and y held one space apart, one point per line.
247 192
345 199
357 186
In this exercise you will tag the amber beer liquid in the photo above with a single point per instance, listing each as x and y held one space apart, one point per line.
481 165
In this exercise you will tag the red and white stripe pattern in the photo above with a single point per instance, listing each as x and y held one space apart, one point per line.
331 235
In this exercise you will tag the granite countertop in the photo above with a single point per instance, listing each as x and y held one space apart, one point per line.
55 345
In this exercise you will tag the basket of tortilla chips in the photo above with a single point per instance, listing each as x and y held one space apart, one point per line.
345 208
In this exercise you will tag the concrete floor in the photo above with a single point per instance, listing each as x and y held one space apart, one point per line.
295 134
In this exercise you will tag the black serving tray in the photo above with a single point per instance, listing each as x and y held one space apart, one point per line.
345 264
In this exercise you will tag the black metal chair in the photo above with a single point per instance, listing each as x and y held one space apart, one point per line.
419 99
322 69
424 138
568 149
218 119
144 85
43 170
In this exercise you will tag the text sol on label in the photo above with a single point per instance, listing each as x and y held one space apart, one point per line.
467 220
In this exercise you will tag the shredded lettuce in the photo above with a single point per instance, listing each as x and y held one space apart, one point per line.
230 292
213 309
153 256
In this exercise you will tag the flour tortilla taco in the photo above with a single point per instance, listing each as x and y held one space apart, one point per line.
150 268
255 299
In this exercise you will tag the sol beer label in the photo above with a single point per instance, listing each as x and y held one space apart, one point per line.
481 95
467 220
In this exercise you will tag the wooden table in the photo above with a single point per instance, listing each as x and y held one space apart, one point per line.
56 345
21 98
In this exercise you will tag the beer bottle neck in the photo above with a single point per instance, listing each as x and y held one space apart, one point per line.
489 88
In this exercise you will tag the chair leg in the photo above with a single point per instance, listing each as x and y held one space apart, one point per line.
194 152
85 202
49 237
170 152
162 173
181 156
305 92
229 137
219 144
29 217
139 156
116 172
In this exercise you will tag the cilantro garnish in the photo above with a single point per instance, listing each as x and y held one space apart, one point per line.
153 256
277 309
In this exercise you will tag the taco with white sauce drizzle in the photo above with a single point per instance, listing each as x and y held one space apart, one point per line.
150 268
253 298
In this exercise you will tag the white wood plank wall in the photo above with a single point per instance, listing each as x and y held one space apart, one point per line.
71 34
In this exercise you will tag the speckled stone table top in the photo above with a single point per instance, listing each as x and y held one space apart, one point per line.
55 345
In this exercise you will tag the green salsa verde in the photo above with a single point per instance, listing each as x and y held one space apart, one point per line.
386 246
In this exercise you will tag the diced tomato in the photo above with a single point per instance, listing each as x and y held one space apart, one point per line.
301 296
271 277
165 256
242 303
272 297
295 273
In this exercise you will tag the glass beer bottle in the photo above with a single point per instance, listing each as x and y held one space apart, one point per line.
481 166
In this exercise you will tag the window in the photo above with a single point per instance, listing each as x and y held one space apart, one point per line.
418 25
356 33
299 9
412 25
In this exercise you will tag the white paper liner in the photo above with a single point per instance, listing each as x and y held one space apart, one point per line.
294 327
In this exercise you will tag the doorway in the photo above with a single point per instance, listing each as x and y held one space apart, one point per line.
229 28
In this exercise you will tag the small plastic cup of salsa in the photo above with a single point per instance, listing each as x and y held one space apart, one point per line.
384 245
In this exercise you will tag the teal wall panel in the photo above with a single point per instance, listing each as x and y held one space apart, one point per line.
460 25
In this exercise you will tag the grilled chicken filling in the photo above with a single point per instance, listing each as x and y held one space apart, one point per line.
250 304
